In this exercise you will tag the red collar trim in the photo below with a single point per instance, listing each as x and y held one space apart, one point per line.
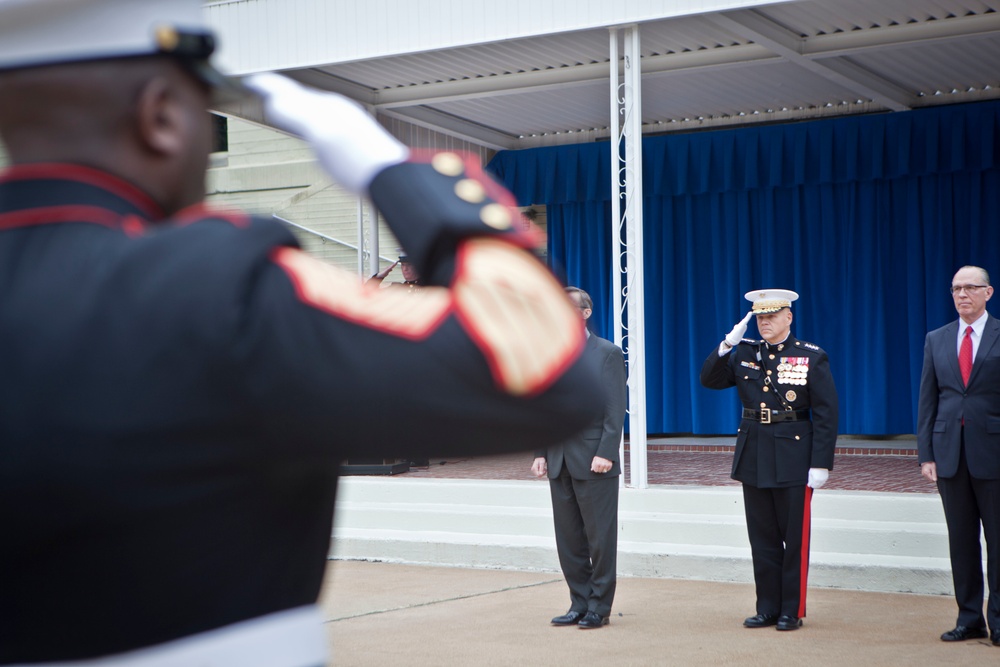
50 214
89 176
201 211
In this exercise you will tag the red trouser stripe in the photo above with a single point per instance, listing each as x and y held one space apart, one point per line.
804 554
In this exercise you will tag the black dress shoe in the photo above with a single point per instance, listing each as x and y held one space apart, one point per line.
995 637
760 621
788 623
569 618
592 620
961 633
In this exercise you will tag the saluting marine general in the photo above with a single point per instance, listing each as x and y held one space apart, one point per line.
784 447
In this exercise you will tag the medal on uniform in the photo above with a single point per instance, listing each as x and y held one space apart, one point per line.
803 370
790 396
793 370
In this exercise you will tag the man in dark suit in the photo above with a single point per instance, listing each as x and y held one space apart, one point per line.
958 441
583 479
179 384
784 448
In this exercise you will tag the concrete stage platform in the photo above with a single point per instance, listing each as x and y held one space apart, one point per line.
877 525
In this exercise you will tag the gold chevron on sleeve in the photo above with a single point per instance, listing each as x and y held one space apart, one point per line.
409 314
518 315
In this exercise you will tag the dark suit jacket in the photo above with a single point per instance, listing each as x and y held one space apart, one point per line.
603 436
944 402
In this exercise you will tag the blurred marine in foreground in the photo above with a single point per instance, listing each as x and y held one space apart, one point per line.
178 386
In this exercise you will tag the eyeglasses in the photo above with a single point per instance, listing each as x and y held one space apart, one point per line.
969 289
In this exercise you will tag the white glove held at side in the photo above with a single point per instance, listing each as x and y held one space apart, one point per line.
734 337
818 477
349 143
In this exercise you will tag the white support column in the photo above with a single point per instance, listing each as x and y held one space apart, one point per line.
616 209
627 187
373 249
635 291
361 238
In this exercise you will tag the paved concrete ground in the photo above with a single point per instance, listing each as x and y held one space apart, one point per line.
389 614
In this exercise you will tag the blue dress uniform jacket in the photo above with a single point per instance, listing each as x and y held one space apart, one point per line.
176 395
789 425
781 453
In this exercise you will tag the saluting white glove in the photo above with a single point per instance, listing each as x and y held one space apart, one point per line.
734 337
817 477
349 143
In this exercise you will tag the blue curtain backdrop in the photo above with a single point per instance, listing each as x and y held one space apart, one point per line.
866 217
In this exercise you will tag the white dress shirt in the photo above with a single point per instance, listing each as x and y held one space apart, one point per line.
977 334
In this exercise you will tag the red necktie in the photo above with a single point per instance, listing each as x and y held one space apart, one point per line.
965 356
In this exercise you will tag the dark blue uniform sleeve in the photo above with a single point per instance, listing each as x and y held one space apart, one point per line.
435 200
716 373
486 359
824 406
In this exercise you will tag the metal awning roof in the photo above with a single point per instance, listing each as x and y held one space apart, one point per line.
773 63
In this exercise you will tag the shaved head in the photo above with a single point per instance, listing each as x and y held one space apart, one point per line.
142 119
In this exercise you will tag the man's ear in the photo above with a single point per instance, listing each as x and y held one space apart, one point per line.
160 117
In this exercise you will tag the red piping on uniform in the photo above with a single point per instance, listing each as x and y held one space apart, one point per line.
201 212
804 555
133 226
55 214
540 385
86 175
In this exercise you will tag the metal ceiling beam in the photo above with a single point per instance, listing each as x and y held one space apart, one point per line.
816 53
823 55
250 109
869 85
902 35
488 86
762 30
820 54
536 81
453 126
323 80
